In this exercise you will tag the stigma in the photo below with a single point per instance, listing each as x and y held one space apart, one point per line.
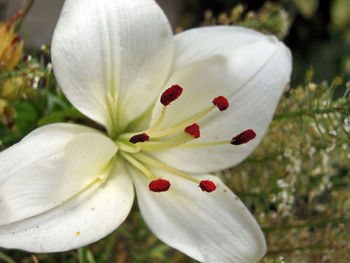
193 130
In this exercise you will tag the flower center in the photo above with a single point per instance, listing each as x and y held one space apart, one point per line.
135 147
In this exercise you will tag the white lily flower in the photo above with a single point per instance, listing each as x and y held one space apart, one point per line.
65 186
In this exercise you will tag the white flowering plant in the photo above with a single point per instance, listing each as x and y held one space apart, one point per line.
128 109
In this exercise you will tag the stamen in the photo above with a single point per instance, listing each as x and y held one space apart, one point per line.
171 94
138 165
179 127
158 122
167 144
193 130
243 137
221 102
139 138
159 185
207 186
146 159
125 146
168 96
239 139
203 144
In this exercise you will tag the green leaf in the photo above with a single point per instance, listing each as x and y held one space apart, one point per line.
26 116
52 118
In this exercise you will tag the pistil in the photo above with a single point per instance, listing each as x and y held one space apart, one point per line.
190 133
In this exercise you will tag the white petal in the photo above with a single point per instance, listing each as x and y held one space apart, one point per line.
84 219
199 44
48 167
249 68
39 143
112 57
209 227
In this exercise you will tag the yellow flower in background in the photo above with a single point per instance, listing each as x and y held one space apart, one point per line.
11 50
11 46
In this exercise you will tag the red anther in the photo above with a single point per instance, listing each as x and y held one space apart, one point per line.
139 138
243 137
207 186
193 130
159 185
221 102
171 94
